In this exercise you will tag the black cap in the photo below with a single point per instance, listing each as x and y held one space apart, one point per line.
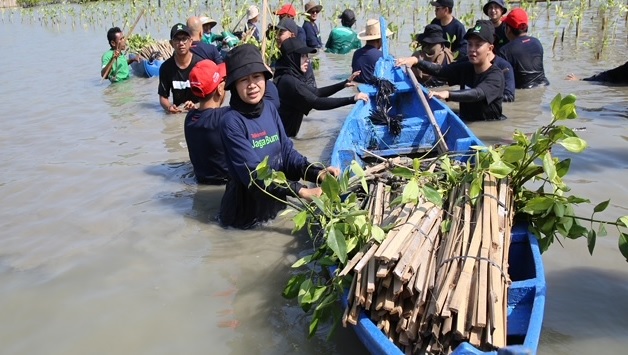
498 2
295 45
347 16
243 60
179 27
432 34
483 29
443 3
288 24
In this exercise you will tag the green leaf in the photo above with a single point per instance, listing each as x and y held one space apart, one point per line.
568 100
358 171
304 291
378 234
577 231
403 172
500 169
601 232
562 168
331 188
513 153
538 205
559 209
279 178
564 226
549 167
432 195
410 192
601 206
520 138
591 241
623 221
574 144
577 200
566 112
293 286
623 244
303 261
555 104
319 203
299 220
476 188
313 326
416 164
327 261
336 242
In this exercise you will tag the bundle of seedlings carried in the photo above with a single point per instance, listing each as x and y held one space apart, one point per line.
421 245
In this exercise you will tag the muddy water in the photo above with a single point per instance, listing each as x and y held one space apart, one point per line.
108 246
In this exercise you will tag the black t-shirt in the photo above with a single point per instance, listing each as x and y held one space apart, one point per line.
617 75
202 136
172 78
490 82
525 54
500 33
206 51
454 29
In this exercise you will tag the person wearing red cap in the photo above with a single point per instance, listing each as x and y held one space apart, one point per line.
343 39
202 125
288 11
251 132
523 52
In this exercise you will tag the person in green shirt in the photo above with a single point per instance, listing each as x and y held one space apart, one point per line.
343 39
120 66
208 36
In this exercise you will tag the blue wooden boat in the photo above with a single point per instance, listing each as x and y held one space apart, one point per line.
526 295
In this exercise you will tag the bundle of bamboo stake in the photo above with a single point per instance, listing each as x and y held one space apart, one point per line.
162 47
430 290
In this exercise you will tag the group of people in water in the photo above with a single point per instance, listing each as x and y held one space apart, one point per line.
226 143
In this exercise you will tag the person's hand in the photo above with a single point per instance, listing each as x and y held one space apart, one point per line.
572 77
361 96
188 105
409 61
328 170
443 95
307 194
116 53
353 75
173 109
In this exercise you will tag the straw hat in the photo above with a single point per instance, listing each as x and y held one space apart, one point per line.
252 12
313 6
373 31
206 20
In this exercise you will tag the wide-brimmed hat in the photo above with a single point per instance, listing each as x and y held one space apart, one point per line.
287 9
206 20
252 12
205 77
243 60
373 31
501 3
483 29
517 19
295 45
313 6
432 34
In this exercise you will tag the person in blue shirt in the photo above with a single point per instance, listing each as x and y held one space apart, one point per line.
312 32
200 48
252 131
453 29
364 59
252 15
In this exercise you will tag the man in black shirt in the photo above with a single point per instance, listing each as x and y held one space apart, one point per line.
523 52
453 29
482 82
174 73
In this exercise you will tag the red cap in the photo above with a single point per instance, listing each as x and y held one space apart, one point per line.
206 76
287 10
517 19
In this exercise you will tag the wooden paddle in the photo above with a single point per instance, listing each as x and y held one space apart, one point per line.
113 59
442 145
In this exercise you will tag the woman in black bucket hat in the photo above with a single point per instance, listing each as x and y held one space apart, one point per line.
252 131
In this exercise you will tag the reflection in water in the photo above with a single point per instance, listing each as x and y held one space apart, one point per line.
108 245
